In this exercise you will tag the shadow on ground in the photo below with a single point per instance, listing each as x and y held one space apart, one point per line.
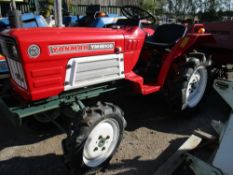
153 113
136 166
52 164
149 112
29 133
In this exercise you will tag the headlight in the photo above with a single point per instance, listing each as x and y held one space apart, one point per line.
14 51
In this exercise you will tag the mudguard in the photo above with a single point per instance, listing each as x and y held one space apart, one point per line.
184 46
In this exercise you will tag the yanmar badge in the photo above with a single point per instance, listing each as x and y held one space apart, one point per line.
33 51
76 48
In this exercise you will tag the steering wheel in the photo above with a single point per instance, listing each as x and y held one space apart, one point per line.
134 12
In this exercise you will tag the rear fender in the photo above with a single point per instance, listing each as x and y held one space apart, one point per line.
184 46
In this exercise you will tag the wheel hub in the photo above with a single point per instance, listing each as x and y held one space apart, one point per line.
101 142
195 83
196 86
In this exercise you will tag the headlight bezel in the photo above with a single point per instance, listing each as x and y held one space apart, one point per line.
15 52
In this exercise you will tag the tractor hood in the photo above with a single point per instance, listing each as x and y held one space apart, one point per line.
64 43
44 62
56 33
59 42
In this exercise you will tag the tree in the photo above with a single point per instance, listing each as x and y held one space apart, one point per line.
149 5
160 6
156 7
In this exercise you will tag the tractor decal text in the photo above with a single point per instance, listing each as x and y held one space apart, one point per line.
76 48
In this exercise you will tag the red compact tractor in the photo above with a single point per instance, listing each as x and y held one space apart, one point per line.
53 69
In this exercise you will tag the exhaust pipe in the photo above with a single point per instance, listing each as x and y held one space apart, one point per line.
58 13
15 16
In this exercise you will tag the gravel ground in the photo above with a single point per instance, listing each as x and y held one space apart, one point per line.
151 136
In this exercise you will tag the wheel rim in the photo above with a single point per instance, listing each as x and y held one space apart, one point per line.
196 86
101 142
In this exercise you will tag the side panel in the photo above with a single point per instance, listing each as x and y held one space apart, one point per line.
134 40
46 73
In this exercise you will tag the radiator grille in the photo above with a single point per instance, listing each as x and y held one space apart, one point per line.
86 71
15 66
17 72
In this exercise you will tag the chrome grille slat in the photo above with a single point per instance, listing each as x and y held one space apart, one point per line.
96 65
101 73
93 70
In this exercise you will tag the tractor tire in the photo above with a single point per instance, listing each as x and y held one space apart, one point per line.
92 141
187 83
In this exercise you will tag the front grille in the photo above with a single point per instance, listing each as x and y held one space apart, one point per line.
17 74
93 70
6 46
15 66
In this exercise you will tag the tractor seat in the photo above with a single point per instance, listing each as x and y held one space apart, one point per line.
127 22
166 36
124 22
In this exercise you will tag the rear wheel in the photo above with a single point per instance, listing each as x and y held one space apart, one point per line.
187 82
92 141
196 86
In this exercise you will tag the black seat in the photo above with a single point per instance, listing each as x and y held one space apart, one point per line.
124 22
128 22
166 36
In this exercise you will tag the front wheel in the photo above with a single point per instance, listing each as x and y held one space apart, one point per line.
93 140
187 83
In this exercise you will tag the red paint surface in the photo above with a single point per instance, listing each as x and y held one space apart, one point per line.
45 75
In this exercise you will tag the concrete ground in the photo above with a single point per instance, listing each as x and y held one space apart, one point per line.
151 136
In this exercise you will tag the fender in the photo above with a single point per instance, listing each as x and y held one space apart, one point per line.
184 46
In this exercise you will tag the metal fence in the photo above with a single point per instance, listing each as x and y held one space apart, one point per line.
107 2
74 9
81 9
24 8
